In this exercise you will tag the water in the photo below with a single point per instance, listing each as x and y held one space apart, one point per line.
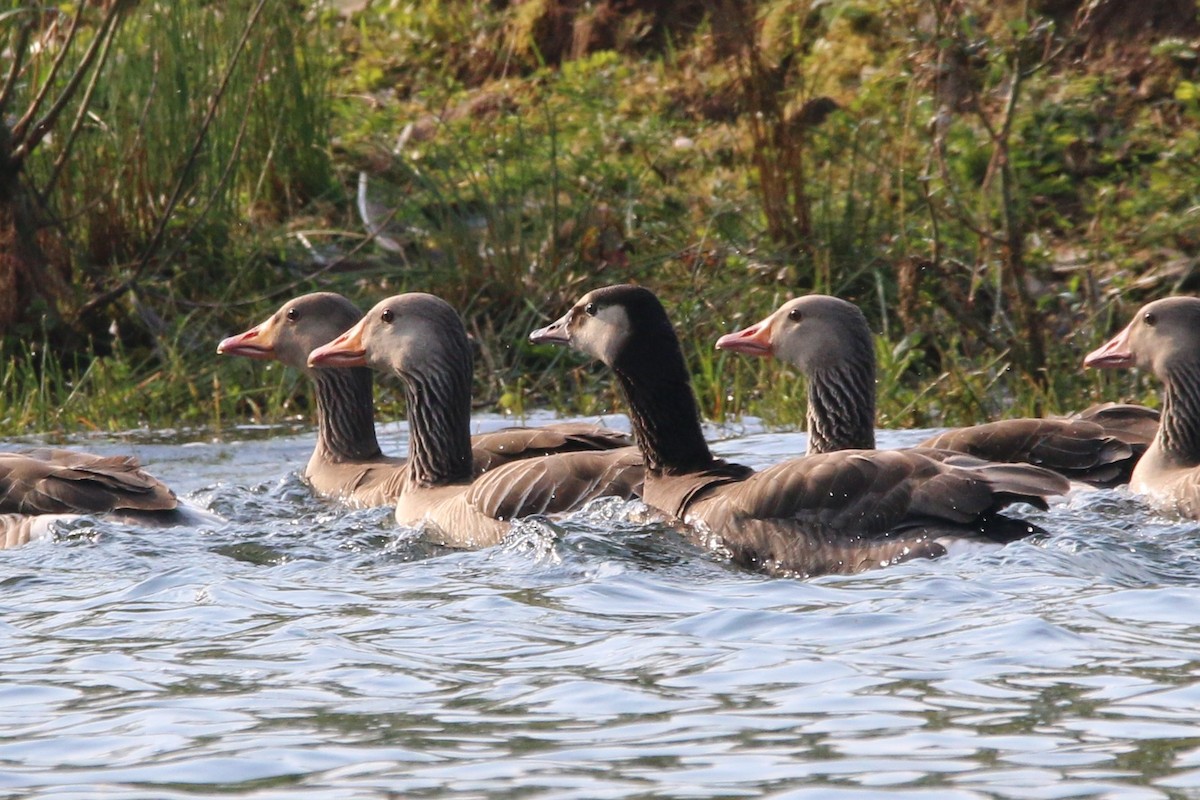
301 651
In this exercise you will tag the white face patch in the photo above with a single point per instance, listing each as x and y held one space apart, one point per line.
601 336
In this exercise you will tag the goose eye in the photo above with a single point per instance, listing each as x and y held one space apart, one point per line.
1149 318
388 316
293 314
590 309
794 315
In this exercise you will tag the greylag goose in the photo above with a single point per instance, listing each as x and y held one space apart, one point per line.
347 463
1163 337
421 339
834 512
828 339
45 485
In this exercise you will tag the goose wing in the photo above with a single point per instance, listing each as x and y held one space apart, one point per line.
1101 445
492 449
1135 425
1076 448
556 483
54 481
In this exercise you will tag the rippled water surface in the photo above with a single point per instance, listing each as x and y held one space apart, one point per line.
303 651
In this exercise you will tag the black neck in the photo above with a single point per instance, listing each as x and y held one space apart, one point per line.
439 425
662 408
346 414
841 408
1179 427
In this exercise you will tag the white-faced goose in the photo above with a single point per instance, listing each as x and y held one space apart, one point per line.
828 339
347 463
42 486
421 339
1163 338
834 512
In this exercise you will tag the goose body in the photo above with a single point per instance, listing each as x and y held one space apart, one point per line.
1162 338
828 339
42 486
347 463
421 339
832 512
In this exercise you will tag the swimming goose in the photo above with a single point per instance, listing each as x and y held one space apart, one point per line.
421 339
1163 337
835 512
347 463
828 340
44 485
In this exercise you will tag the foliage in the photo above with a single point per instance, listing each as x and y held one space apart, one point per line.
996 184
164 129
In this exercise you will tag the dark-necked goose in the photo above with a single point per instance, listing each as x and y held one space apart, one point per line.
41 486
421 339
1163 338
828 339
835 512
347 463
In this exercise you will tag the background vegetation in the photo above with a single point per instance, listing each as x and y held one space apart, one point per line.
998 184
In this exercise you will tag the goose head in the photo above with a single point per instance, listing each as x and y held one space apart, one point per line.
812 333
413 334
612 325
295 330
1162 337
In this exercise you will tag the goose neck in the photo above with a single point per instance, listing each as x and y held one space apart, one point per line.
664 414
346 414
841 408
439 424
1179 427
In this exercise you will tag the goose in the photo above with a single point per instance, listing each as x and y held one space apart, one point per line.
1162 338
828 339
45 485
837 512
347 463
421 339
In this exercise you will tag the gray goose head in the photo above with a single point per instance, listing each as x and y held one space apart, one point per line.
421 339
299 326
345 403
1164 337
828 339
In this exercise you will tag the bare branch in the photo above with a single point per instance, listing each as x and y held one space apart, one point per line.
18 130
14 72
100 43
80 115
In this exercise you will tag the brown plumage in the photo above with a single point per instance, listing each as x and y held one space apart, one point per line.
41 485
833 512
347 463
421 339
829 341
1162 338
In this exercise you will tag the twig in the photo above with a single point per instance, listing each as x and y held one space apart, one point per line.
43 125
84 104
10 81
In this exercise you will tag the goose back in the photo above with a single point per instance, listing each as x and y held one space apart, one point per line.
44 485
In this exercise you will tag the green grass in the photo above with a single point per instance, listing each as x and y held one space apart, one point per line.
521 184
